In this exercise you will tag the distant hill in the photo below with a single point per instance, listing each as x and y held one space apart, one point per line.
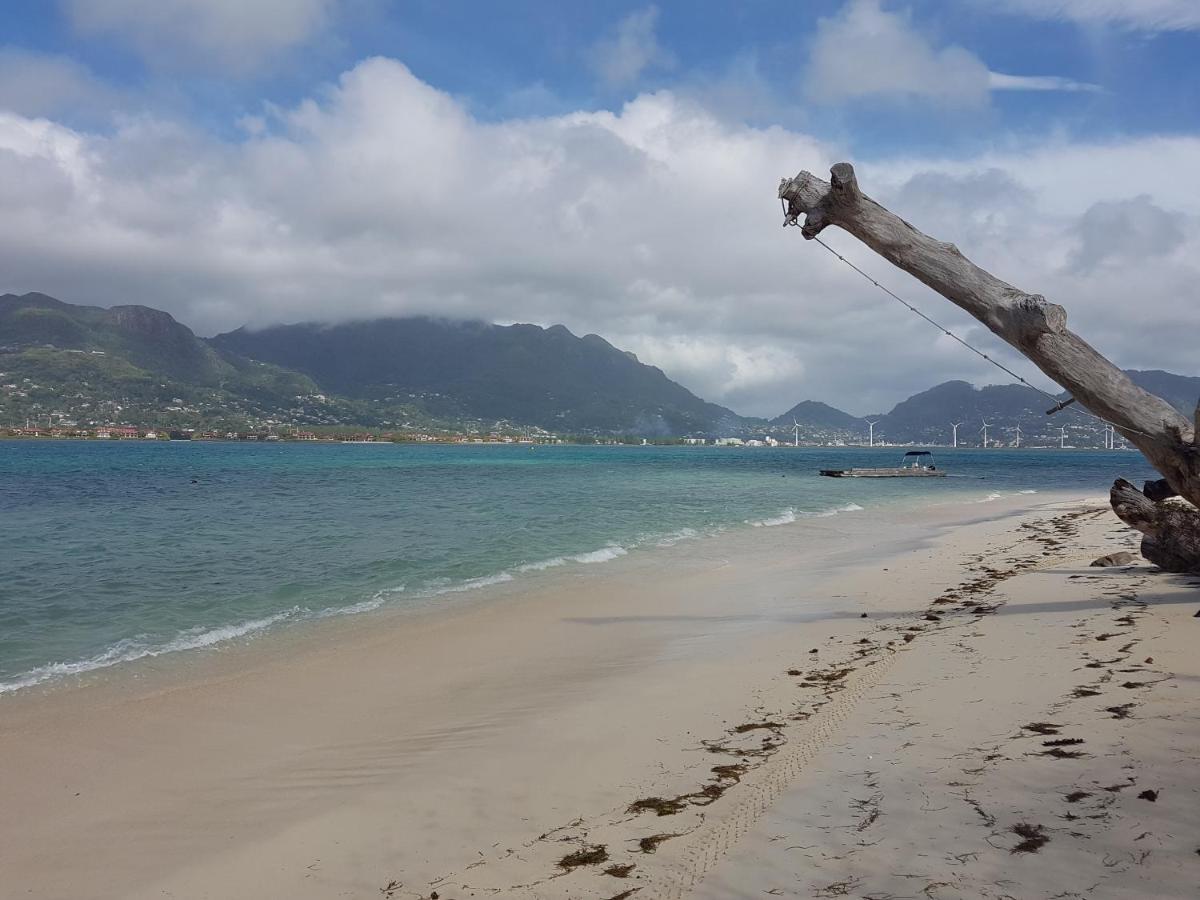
814 414
1181 391
148 339
522 373
137 365
129 364
926 416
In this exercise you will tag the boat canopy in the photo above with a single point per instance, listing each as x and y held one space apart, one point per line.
918 453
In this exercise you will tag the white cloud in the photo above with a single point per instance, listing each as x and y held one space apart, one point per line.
1142 15
868 51
655 226
1000 82
621 57
35 84
1121 232
238 35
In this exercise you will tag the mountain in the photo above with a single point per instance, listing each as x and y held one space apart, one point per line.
814 414
1181 391
521 373
926 417
127 364
148 339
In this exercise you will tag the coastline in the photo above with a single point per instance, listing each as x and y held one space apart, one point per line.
401 754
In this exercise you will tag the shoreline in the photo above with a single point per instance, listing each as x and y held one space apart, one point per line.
115 660
418 752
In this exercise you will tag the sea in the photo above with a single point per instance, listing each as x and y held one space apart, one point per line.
114 551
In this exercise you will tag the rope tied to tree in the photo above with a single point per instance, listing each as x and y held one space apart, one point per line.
790 219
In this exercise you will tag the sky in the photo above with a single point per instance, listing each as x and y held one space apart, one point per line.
613 167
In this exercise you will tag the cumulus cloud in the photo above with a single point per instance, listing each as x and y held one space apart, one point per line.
655 226
1124 231
36 84
868 51
621 57
1142 15
238 35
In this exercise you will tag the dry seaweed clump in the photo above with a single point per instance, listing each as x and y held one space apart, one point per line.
1033 838
620 871
650 844
660 805
587 855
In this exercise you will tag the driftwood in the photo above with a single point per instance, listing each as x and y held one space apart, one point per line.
1170 531
1039 330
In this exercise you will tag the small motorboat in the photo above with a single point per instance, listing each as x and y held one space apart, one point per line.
915 464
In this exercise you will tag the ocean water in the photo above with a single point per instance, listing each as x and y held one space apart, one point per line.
115 551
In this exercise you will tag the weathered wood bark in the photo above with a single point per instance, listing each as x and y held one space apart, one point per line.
1026 321
1170 531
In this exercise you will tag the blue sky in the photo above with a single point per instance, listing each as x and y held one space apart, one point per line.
605 165
533 58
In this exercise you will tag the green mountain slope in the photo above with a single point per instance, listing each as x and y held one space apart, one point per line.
522 373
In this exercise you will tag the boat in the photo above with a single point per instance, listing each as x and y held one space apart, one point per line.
915 464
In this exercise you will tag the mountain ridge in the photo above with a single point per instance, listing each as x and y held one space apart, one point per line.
131 361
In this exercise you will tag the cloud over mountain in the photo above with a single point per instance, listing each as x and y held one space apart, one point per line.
655 225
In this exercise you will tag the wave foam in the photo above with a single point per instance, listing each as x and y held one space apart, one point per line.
789 515
847 507
472 584
604 554
132 649
784 518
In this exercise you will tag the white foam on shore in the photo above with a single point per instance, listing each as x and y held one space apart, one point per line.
604 554
377 600
789 515
132 649
472 584
848 507
683 534
994 495
784 518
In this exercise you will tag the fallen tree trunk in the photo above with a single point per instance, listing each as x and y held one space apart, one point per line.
1170 531
1026 321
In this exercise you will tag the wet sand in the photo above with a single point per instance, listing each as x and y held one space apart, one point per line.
652 725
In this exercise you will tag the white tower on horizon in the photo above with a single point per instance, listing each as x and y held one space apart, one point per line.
986 426
871 425
1062 437
955 425
795 432
1018 443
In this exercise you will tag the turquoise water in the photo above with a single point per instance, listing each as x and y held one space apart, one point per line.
113 551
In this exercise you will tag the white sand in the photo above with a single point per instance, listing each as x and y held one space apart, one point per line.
469 753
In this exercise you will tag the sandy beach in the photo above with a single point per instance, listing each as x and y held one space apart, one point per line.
943 704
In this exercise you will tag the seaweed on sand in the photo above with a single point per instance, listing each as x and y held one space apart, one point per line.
1033 838
619 871
752 726
1060 753
663 806
587 855
1042 727
650 844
